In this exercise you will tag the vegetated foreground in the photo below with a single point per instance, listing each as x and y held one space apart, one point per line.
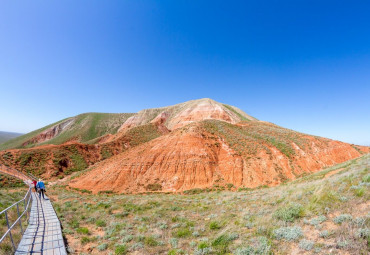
323 213
196 144
11 191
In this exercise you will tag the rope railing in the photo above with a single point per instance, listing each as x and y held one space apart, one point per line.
26 206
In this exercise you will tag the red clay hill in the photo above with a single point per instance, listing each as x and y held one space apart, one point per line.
196 144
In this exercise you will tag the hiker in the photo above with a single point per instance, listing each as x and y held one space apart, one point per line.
41 187
35 185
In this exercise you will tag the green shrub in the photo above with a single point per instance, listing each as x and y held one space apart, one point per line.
289 213
84 231
101 223
181 233
85 240
151 241
74 223
366 178
214 225
360 191
120 250
222 242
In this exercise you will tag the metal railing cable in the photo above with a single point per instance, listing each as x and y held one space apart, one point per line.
26 204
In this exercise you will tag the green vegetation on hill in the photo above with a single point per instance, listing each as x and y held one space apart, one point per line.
83 128
17 142
7 181
231 108
255 136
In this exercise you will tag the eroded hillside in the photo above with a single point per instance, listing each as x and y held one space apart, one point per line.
215 153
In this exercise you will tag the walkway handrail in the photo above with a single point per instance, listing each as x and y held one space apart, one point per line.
3 211
26 200
14 172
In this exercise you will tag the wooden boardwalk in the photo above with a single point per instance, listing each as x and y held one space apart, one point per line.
43 234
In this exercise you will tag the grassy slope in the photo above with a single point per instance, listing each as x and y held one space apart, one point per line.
86 127
11 191
17 142
249 139
313 214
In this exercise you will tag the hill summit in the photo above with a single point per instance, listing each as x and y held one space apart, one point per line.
197 144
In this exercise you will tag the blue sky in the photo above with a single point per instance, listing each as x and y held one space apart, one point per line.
304 65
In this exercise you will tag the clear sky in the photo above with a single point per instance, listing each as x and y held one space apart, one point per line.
304 65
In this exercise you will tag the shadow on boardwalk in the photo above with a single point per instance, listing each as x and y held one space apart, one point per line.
43 234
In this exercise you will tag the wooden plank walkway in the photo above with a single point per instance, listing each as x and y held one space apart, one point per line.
43 234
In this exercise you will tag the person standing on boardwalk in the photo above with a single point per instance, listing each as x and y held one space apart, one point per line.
41 186
35 185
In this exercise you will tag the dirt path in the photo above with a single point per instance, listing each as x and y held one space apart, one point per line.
332 173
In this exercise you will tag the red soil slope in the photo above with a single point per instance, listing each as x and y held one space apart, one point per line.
216 153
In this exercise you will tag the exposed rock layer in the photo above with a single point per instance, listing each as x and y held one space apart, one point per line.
193 157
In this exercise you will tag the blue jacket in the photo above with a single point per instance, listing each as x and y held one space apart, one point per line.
40 185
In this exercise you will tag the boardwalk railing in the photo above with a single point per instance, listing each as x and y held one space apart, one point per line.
22 207
25 204
15 173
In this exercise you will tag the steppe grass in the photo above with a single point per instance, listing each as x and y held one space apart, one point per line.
8 196
314 214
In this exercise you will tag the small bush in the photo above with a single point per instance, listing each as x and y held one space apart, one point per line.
288 233
324 234
222 240
316 221
74 223
342 218
260 245
127 238
137 246
85 240
363 233
214 225
151 241
120 250
101 223
203 249
360 191
195 234
84 231
366 178
306 244
102 247
342 244
290 213
182 233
